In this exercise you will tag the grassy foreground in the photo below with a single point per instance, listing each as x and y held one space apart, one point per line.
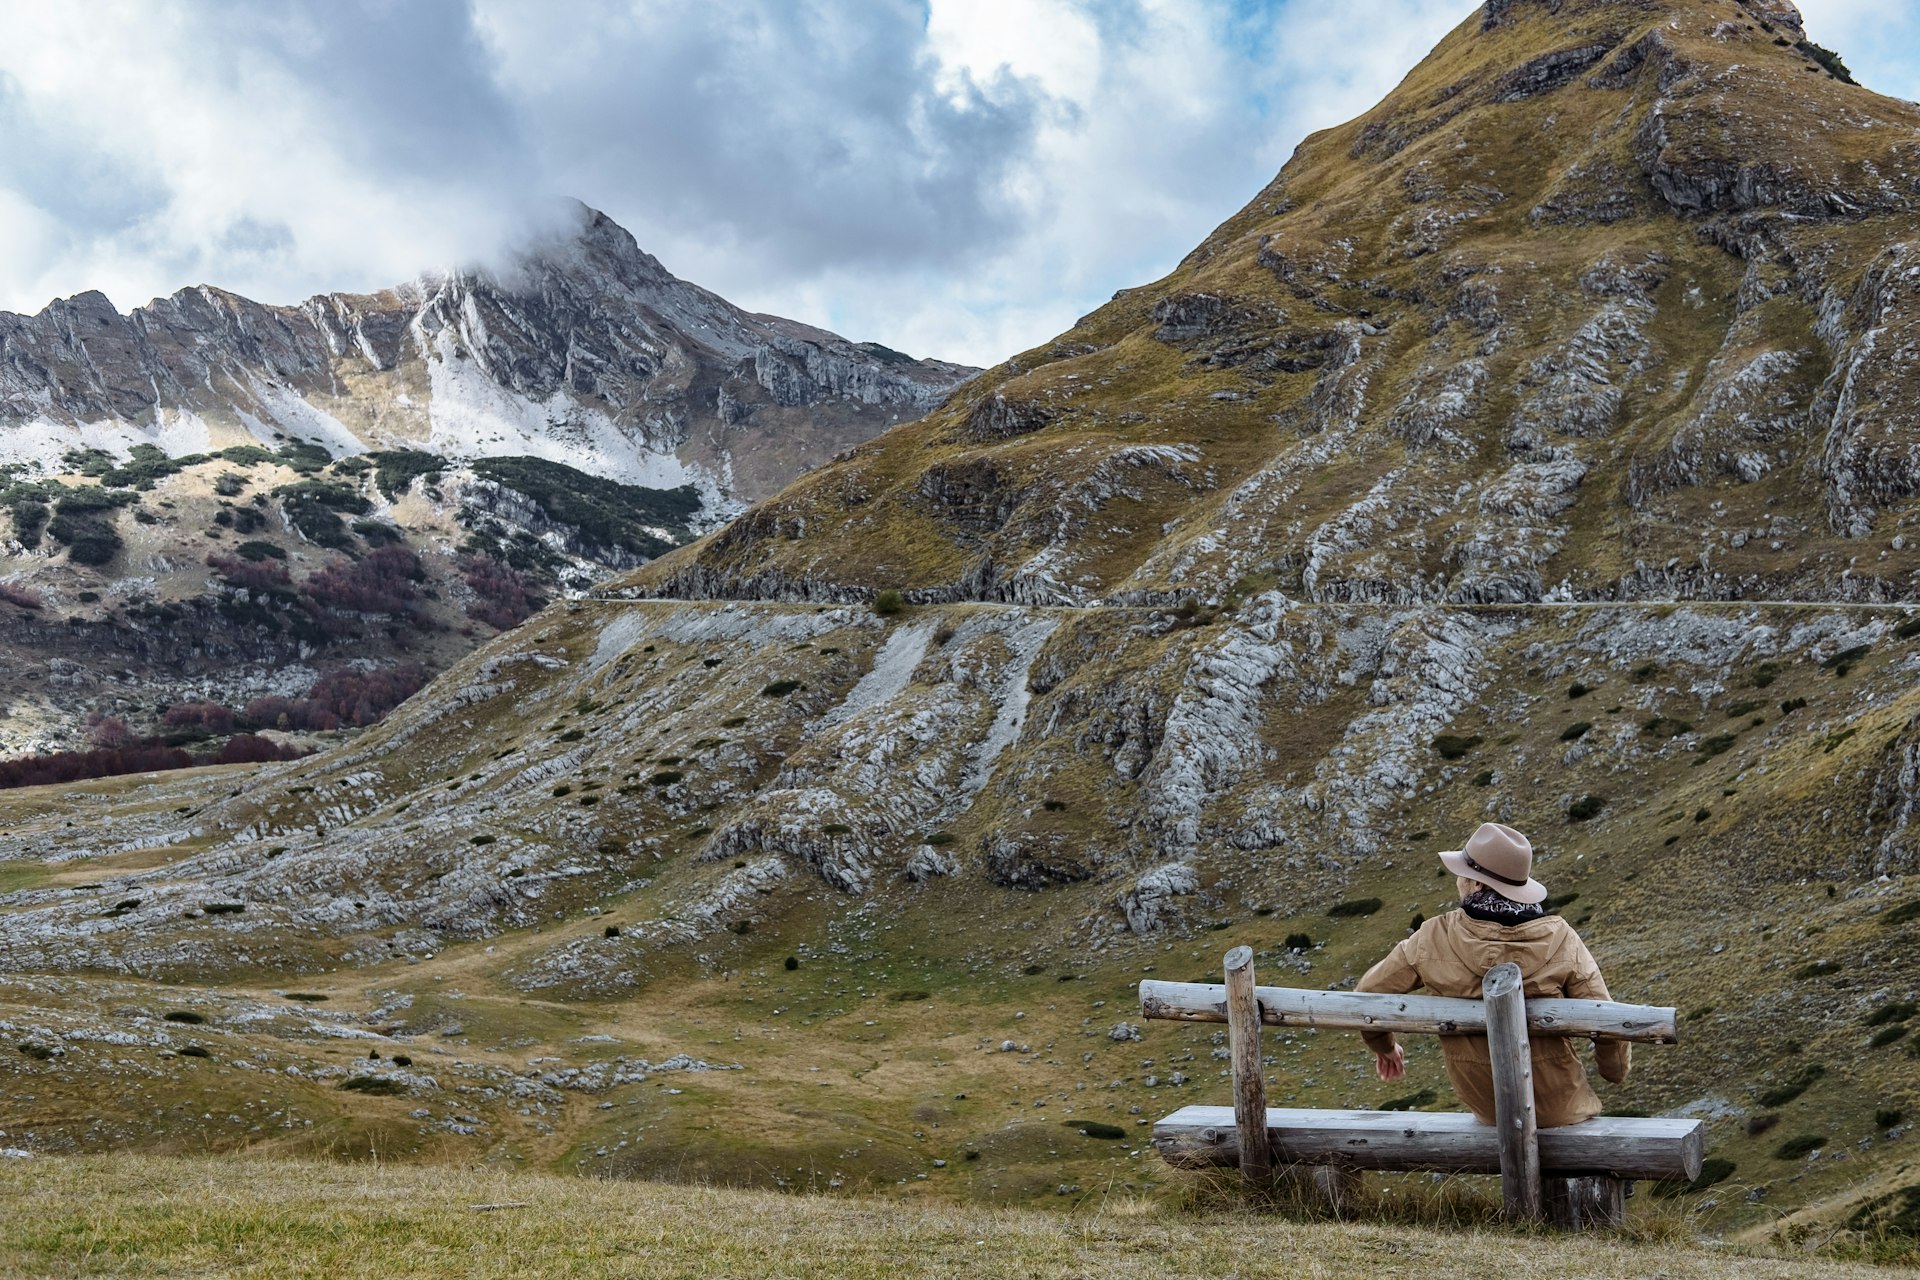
159 1217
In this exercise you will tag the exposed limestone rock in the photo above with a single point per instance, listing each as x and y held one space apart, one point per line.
1148 904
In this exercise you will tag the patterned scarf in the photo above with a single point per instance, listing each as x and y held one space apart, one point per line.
1485 904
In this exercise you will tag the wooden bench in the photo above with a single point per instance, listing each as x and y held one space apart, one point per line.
1575 1176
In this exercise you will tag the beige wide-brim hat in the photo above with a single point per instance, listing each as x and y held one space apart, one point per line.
1500 858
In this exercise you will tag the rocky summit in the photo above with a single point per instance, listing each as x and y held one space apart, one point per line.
583 350
176 478
1533 449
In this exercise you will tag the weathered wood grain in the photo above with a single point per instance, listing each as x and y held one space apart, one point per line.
1249 1082
1586 1204
1504 993
1432 1015
1616 1146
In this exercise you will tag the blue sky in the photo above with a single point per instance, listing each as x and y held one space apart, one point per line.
952 177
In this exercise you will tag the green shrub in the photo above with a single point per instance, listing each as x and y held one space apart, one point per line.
1765 674
907 997
257 551
1908 629
1795 1148
1298 942
1894 1011
1053 806
186 1016
1645 672
89 538
1843 662
1781 1094
395 470
889 602
1818 969
313 507
607 513
1553 902
1578 690
781 688
1718 744
665 778
1888 1117
939 838
1355 907
194 1051
1576 731
1586 807
1453 746
29 518
481 839
1663 727
306 997
377 1086
1792 705
1484 778
1887 1035
1095 1129
1412 1102
1828 59
1714 1169
1902 914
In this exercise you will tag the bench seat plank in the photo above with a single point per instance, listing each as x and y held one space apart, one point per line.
1447 1141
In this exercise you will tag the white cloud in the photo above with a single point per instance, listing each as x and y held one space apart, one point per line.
952 177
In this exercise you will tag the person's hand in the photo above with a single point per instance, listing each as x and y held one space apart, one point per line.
1391 1066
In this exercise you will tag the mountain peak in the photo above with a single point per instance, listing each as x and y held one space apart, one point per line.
1596 293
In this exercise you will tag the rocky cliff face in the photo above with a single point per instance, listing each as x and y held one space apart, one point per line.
585 350
1426 492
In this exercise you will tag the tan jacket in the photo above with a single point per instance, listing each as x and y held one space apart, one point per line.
1448 956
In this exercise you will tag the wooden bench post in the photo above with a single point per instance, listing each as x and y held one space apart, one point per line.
1249 1079
1512 1059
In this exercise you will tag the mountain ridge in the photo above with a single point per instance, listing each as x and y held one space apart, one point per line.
585 347
1581 369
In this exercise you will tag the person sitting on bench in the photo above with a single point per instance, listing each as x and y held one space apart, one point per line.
1500 919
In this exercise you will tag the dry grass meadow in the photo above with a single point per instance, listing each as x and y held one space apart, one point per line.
159 1217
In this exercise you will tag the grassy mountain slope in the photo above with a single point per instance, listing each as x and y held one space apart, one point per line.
1604 298
594 845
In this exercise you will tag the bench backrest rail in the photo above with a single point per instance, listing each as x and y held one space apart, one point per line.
1429 1015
